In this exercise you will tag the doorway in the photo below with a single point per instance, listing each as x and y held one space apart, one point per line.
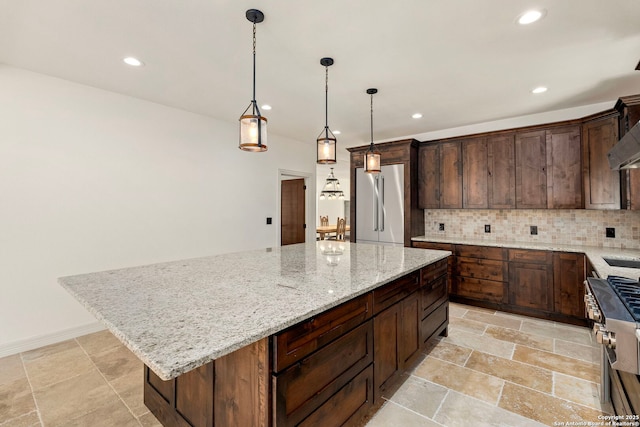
292 211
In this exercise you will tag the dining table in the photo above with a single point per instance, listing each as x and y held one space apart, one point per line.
322 230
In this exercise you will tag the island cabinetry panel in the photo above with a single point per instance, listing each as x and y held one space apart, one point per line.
395 291
569 272
564 168
434 317
531 279
307 385
440 247
215 394
531 170
601 184
298 341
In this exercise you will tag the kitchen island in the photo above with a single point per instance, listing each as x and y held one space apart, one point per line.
280 336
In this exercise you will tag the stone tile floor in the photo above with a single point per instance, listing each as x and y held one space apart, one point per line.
494 369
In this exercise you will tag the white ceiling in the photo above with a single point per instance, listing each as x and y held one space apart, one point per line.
457 62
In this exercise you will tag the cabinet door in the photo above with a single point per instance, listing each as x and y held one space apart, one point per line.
450 175
386 330
568 276
474 173
429 176
501 185
601 184
564 169
410 318
531 285
531 176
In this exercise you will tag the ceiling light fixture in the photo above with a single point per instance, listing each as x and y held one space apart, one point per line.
530 17
134 62
539 89
331 189
336 132
266 107
372 157
253 126
416 116
326 141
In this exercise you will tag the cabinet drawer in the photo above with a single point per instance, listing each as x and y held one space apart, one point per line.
484 252
296 342
433 245
435 270
527 255
389 294
434 321
432 292
486 269
485 290
305 386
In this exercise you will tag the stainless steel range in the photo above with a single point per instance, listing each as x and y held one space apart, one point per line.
614 306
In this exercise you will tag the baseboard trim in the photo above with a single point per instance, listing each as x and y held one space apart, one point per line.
27 344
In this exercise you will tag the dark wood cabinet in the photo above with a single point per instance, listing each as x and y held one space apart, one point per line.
628 108
569 272
429 176
475 167
450 175
501 182
480 273
564 168
601 184
531 170
531 279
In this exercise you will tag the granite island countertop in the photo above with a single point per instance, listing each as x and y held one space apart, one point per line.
177 316
595 254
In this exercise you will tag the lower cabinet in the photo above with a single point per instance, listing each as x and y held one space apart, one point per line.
569 272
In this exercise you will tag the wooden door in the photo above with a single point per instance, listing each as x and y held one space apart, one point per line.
568 277
564 169
501 185
531 176
292 212
386 330
450 175
474 174
531 285
601 184
429 177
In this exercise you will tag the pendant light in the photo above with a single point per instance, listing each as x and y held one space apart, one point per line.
331 189
253 125
372 157
326 140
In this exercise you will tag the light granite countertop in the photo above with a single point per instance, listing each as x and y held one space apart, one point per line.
177 316
594 254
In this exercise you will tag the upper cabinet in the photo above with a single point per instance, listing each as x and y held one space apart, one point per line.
629 109
601 184
501 171
531 170
475 175
564 168
429 176
440 176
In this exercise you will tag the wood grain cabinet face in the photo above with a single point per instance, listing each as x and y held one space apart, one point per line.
531 170
475 174
629 109
564 169
601 184
569 272
501 184
429 176
531 279
450 175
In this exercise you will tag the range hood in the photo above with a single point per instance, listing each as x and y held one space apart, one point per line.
626 153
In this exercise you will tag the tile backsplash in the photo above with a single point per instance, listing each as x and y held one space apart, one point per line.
584 227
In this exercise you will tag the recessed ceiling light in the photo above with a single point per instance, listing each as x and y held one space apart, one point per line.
539 89
530 16
336 132
134 62
266 107
417 116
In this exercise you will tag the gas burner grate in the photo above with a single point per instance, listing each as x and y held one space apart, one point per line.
629 292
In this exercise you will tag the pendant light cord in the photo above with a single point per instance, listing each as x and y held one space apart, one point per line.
371 148
254 62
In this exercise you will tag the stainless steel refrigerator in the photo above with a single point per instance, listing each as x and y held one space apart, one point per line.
380 206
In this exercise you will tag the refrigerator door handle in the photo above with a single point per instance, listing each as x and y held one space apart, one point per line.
382 204
375 204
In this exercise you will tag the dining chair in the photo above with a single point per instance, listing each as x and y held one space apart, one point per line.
341 229
324 220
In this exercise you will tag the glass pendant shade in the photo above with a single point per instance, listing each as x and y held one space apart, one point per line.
372 156
253 126
253 130
326 147
331 189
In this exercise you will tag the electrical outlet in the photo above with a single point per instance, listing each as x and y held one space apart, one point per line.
610 232
534 230
441 227
269 220
487 228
